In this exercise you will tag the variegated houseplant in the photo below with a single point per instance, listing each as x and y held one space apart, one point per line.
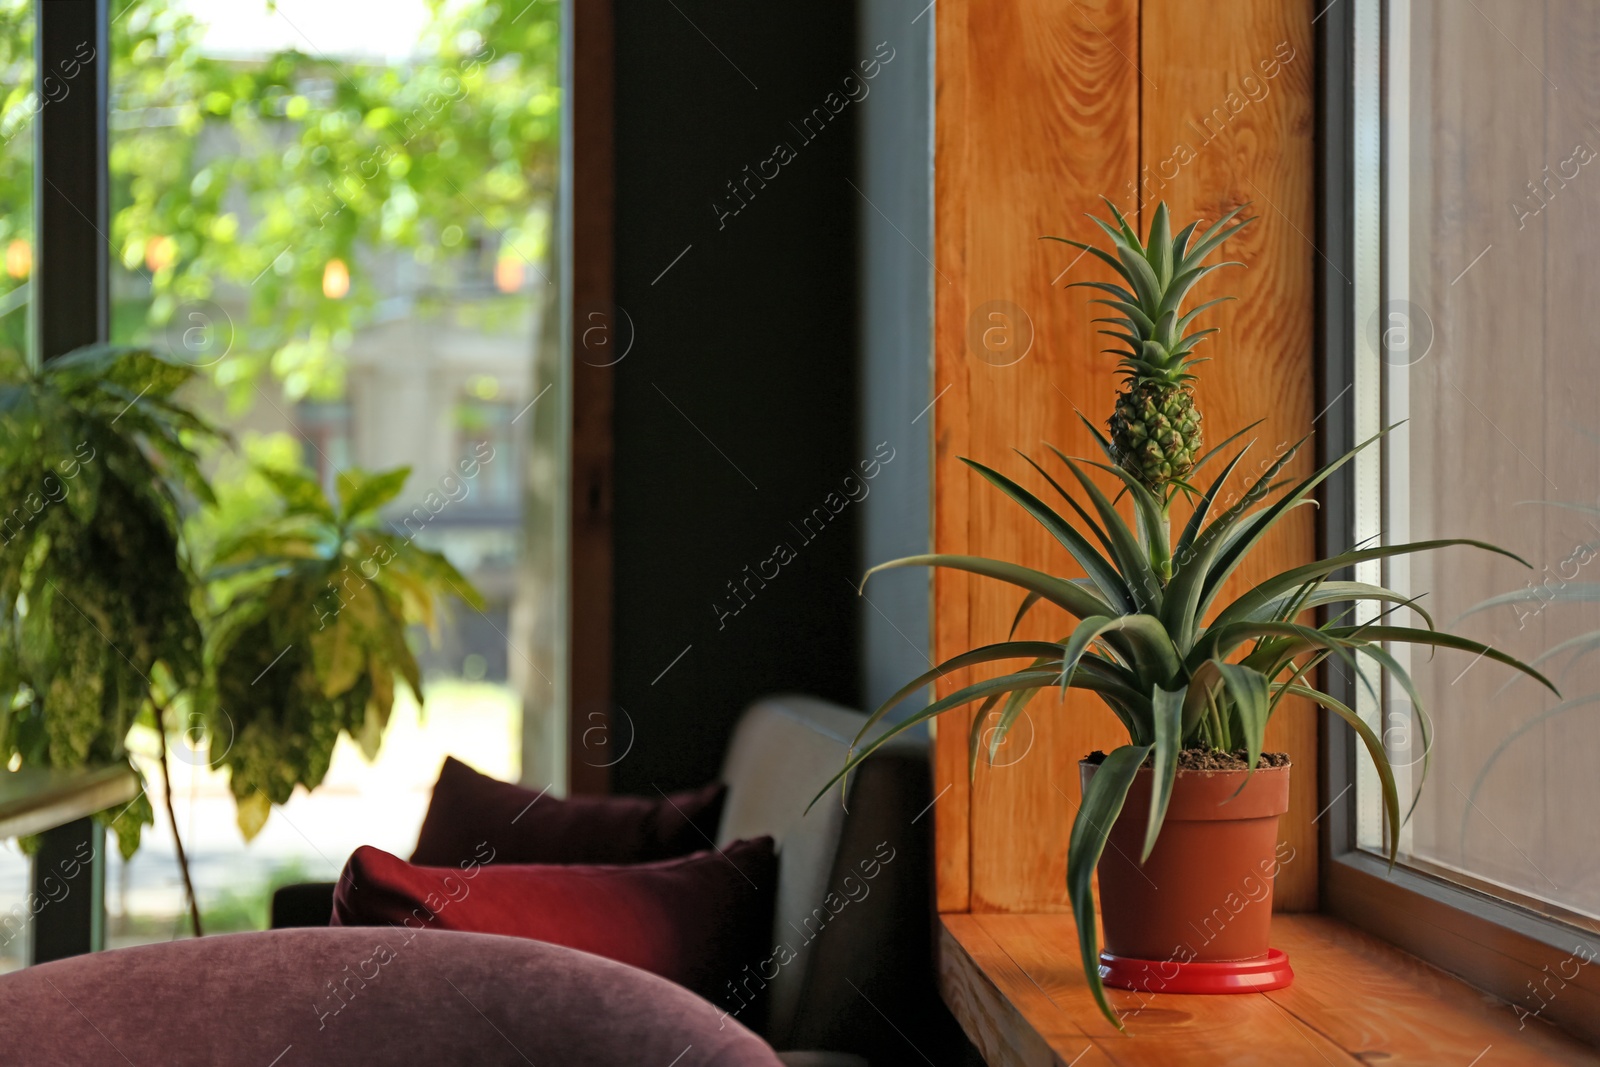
108 620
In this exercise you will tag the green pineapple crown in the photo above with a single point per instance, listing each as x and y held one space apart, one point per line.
1158 272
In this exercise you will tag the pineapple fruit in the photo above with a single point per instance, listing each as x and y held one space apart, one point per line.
1155 430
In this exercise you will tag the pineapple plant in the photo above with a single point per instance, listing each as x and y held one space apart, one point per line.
1186 663
1155 428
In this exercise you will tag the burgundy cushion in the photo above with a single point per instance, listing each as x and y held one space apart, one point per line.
703 921
360 998
473 817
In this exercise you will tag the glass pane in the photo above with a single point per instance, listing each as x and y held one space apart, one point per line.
19 102
342 214
1490 245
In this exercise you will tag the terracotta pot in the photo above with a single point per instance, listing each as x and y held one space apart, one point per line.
1205 893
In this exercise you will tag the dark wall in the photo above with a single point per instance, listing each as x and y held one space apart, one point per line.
736 410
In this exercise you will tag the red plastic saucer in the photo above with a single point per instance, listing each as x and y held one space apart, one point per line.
1257 975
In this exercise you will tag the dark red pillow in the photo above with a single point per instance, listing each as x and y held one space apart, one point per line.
703 921
484 820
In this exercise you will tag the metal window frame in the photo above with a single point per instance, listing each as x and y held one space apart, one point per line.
1512 951
71 307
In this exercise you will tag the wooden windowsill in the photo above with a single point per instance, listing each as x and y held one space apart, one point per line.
33 800
1016 985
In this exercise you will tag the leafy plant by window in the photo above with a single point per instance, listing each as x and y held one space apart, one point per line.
97 594
294 633
310 635
1179 665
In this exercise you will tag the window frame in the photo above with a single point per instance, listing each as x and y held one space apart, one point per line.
1491 941
586 214
72 267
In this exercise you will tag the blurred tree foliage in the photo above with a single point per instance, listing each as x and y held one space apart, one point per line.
238 181
18 102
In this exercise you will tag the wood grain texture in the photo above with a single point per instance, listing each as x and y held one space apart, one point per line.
1534 976
1165 1029
1037 117
1355 1000
1222 126
1369 996
1009 1020
36 799
949 412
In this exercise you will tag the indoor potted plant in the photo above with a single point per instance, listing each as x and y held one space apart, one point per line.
97 594
109 618
1192 679
308 635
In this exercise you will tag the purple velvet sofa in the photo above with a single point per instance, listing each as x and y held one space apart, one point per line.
357 997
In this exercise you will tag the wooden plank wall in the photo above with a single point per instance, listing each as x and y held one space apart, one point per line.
1042 107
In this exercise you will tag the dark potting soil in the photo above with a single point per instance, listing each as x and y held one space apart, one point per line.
1205 759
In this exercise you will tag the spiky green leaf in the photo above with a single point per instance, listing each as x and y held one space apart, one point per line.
1102 803
1167 718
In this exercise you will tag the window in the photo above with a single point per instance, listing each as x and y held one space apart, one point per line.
1461 228
20 99
484 434
341 223
345 223
17 108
